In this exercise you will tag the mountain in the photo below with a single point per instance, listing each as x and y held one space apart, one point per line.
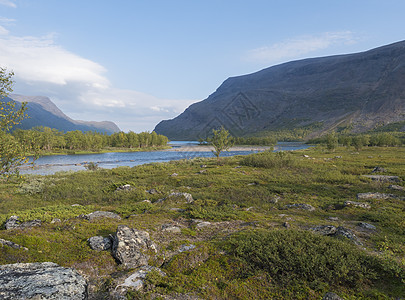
43 112
354 91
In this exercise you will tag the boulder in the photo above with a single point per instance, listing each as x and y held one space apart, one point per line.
301 206
185 196
383 178
100 214
379 170
14 223
125 187
131 247
357 204
12 244
41 281
331 296
346 233
324 229
377 196
171 228
397 187
367 226
100 243
185 247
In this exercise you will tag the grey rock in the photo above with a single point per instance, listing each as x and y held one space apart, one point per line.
185 247
383 178
203 224
186 196
333 218
125 187
357 204
100 243
136 280
171 228
367 226
301 206
100 214
286 225
378 196
331 296
152 191
14 223
397 187
346 233
12 244
41 281
378 170
174 175
56 220
130 246
324 229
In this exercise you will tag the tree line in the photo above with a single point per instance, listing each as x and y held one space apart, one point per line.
45 139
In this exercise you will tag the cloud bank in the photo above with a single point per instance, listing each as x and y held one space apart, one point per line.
78 85
298 47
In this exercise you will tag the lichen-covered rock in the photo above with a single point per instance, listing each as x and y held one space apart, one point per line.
379 170
186 196
100 243
367 226
324 229
383 178
301 206
171 228
346 233
100 214
331 296
14 223
377 196
357 204
41 281
12 244
396 187
131 246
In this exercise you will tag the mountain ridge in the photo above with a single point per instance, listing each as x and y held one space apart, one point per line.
43 112
360 91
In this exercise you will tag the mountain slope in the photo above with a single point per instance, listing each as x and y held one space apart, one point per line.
43 112
360 91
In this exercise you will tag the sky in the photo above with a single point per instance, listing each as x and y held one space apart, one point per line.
137 62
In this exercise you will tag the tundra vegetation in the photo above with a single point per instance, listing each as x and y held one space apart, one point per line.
261 214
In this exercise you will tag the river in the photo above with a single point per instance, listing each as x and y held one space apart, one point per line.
51 164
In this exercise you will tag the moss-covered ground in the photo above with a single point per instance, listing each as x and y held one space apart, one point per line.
254 248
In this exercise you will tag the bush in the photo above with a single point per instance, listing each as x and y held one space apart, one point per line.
269 160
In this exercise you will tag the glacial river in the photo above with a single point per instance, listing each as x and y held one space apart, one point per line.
47 165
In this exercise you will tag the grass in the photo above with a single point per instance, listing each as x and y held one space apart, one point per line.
246 252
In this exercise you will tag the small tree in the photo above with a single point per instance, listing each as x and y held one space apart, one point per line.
221 141
12 153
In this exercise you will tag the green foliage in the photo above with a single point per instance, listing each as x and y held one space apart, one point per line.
268 160
293 256
221 141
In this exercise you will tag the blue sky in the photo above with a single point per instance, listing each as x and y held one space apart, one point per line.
138 62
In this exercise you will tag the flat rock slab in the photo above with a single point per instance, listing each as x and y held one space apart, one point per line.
301 206
100 243
41 281
100 214
14 223
377 196
330 230
383 178
12 244
357 204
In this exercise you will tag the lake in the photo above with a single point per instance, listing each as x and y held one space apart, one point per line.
47 165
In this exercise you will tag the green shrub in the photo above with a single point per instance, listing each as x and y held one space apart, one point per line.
269 160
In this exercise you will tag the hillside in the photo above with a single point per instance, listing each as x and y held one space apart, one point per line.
43 112
358 91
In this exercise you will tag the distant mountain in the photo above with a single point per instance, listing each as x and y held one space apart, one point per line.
356 91
43 112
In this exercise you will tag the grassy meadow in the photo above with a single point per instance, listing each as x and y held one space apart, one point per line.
254 248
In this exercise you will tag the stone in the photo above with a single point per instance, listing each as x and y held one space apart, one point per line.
56 220
100 214
45 280
174 175
331 296
286 225
12 244
100 243
357 204
301 206
152 191
367 226
125 187
136 280
378 170
14 223
324 229
186 196
378 196
346 233
397 187
130 246
185 247
383 178
171 228
203 224
333 218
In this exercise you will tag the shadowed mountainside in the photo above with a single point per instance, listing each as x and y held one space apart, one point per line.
358 91
43 112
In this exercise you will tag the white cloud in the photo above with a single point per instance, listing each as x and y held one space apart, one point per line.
3 31
9 3
298 47
79 86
